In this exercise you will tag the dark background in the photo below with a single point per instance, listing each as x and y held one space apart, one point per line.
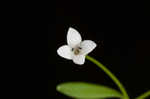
120 30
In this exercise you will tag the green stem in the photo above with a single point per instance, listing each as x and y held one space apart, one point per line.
144 95
111 75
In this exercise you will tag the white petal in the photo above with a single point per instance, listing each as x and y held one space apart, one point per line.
87 46
65 52
79 59
73 37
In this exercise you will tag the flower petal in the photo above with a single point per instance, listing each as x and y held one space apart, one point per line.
65 52
73 37
79 59
87 46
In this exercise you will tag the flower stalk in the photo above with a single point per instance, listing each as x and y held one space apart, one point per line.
144 95
110 74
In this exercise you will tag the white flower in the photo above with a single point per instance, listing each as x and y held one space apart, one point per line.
76 49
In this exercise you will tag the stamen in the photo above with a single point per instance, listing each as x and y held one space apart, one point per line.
80 48
72 49
77 51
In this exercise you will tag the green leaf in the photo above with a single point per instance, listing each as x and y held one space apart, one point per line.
87 90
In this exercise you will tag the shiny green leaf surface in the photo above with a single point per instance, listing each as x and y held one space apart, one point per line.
87 90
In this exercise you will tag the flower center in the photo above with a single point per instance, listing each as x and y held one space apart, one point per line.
77 50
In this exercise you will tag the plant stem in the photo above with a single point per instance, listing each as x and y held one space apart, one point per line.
144 95
111 75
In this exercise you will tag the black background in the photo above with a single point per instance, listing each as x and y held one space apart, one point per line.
120 30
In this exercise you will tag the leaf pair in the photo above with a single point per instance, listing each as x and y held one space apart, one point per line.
83 90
